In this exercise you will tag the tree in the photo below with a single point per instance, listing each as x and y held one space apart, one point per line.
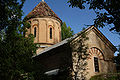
16 50
66 31
107 11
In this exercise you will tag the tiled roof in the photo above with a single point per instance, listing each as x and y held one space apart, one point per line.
42 10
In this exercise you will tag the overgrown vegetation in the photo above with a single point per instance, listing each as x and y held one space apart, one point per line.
79 56
112 76
16 50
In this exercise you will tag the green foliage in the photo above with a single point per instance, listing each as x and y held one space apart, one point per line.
113 76
15 57
106 10
66 31
2 35
16 50
10 12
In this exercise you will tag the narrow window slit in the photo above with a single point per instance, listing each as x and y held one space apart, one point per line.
50 33
35 32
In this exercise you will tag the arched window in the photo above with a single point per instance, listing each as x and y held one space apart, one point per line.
96 64
35 32
50 33
97 51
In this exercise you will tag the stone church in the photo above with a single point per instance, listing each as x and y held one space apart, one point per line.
51 51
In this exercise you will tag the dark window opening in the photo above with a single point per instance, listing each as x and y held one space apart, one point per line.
50 33
35 32
96 64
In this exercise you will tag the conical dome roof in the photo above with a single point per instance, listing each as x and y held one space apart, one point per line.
42 10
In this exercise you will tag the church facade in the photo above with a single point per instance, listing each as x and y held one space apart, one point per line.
53 53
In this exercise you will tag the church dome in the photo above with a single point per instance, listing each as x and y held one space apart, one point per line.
43 10
45 26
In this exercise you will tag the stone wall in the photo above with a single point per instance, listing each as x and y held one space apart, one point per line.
100 49
97 47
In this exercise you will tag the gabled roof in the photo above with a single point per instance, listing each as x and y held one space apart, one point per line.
98 33
42 10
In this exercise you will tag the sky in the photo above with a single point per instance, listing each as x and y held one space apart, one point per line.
74 17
